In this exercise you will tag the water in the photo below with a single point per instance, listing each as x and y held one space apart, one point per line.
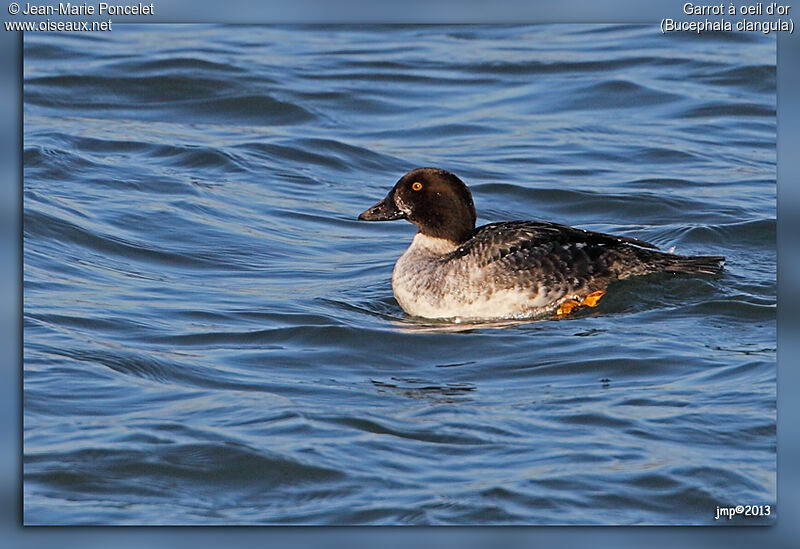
210 336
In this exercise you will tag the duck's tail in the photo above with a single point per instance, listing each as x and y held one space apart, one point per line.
694 264
703 264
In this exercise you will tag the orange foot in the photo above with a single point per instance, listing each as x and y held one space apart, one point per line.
570 305
593 298
567 307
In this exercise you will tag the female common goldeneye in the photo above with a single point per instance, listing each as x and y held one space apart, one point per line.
513 269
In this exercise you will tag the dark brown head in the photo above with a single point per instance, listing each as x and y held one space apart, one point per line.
434 200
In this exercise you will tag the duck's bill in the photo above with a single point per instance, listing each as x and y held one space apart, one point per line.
385 210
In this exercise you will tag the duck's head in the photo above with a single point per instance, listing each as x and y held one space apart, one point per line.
434 200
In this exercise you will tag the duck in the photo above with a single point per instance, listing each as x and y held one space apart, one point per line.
510 269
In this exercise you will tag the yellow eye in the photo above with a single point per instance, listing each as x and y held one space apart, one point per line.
416 185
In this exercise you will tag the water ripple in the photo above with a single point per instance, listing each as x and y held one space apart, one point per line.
210 335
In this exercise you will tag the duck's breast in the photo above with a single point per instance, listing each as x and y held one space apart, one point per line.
432 284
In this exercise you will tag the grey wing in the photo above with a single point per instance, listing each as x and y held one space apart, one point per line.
562 259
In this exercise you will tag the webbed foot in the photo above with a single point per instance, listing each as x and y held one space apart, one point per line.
593 298
570 305
567 307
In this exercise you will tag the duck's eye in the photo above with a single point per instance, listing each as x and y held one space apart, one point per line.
416 186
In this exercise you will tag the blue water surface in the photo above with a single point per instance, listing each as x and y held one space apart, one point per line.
210 336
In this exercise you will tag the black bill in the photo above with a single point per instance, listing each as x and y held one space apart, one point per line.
385 210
